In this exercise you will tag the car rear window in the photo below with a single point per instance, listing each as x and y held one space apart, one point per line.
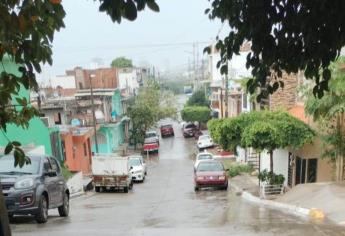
210 166
190 126
166 126
205 157
150 135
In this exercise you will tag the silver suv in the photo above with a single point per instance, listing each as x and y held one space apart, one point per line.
34 188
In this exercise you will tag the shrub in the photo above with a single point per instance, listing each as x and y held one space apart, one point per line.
236 169
271 178
65 171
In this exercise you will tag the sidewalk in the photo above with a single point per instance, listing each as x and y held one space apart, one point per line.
316 201
328 197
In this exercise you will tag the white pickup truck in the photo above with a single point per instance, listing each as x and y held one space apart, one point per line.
111 172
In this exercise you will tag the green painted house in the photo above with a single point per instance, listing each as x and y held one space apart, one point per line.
111 135
37 133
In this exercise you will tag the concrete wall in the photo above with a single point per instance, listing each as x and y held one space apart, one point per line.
36 133
128 79
280 162
314 150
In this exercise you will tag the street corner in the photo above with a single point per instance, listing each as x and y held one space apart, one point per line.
316 214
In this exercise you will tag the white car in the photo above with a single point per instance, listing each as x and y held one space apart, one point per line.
204 141
151 137
138 168
201 157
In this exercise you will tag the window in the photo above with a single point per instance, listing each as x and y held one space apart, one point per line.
55 166
85 149
46 165
244 101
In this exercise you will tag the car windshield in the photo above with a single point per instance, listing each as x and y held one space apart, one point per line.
205 157
190 126
204 137
7 167
210 166
134 162
150 135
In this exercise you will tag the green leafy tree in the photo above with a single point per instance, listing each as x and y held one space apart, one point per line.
329 113
262 135
279 41
198 99
196 113
121 62
261 130
151 105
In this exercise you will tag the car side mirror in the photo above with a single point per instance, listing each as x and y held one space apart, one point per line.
131 167
50 173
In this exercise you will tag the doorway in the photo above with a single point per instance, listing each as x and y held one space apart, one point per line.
306 170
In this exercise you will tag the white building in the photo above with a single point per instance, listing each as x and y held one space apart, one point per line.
238 101
63 81
129 79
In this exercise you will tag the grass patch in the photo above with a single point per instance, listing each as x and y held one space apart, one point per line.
237 168
65 171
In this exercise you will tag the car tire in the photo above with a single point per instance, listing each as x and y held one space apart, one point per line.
196 188
125 189
97 189
42 215
143 179
130 186
225 187
173 134
64 209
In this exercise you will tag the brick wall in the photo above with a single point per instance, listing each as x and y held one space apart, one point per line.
103 77
285 97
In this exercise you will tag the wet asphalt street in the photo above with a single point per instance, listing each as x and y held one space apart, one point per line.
166 204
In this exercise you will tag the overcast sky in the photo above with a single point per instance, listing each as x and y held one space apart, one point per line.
163 39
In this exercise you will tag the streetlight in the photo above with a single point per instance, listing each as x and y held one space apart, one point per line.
93 111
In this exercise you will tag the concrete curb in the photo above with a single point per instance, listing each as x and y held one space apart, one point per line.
78 194
292 209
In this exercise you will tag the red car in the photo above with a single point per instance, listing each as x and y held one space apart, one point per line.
210 173
167 130
150 147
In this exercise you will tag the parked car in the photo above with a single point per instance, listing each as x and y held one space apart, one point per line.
202 156
151 136
210 173
167 130
34 188
150 147
189 130
111 172
205 141
138 168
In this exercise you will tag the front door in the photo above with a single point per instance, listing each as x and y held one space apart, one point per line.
59 184
306 170
50 182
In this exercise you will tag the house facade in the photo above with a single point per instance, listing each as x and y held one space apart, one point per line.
233 101
37 134
306 164
76 142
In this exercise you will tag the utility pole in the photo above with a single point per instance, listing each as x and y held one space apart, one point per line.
226 90
93 111
194 69
197 66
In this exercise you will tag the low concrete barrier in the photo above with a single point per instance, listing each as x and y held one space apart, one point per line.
75 184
